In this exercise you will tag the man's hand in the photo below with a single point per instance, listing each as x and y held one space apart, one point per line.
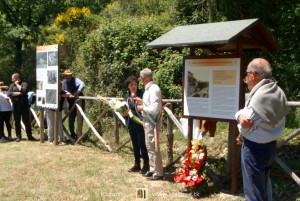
244 121
138 101
139 108
239 139
75 94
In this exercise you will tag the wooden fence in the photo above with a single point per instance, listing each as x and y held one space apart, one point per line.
171 121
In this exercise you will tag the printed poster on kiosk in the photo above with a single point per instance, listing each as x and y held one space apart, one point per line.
47 76
211 87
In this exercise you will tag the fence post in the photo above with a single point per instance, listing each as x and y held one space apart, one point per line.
79 119
116 128
170 135
42 125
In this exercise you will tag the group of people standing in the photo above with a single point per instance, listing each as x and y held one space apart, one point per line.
260 122
14 100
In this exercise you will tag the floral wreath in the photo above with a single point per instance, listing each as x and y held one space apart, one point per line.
190 175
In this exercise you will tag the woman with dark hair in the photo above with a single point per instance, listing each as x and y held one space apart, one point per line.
136 130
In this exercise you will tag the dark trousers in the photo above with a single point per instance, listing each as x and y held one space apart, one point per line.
21 111
137 136
257 160
73 114
5 117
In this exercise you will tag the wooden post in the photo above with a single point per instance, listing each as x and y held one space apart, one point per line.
116 128
42 125
79 119
56 126
170 136
190 132
233 155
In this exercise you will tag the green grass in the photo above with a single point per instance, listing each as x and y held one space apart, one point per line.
34 171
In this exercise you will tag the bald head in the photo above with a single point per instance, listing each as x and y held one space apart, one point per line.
261 66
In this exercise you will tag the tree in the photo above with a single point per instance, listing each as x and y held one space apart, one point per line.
20 21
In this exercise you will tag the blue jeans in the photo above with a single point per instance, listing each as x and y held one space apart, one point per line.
257 160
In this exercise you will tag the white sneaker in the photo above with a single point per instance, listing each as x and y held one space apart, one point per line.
62 143
2 140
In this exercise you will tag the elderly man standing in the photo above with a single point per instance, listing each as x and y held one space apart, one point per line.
151 107
75 87
261 123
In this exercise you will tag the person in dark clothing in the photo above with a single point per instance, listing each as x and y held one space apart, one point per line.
17 92
75 87
136 130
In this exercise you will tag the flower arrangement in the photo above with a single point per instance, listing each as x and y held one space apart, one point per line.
190 175
121 107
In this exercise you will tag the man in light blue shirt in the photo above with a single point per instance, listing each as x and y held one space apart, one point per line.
260 123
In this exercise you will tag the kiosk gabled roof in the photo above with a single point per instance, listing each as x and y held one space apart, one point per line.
250 34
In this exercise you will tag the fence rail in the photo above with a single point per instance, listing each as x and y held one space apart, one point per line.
171 121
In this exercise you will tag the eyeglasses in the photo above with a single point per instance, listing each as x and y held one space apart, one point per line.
246 73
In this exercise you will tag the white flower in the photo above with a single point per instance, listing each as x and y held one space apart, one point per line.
201 156
194 156
188 178
195 178
193 172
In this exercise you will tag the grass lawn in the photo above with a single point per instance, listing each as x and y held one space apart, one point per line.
35 171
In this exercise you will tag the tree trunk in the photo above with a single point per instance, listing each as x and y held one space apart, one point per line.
18 55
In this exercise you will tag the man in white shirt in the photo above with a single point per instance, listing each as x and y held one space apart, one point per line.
261 123
151 108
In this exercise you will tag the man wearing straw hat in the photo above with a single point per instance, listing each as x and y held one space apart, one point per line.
75 87
151 107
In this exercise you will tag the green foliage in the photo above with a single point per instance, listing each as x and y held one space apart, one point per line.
116 51
69 30
169 75
197 12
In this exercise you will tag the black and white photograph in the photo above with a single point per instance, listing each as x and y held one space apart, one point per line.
51 96
198 85
41 60
52 76
53 58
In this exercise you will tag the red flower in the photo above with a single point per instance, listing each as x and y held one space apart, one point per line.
190 183
183 176
178 178
199 180
187 162
186 171
197 165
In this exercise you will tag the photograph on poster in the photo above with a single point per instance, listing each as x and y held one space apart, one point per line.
53 58
52 76
198 84
51 96
39 85
41 100
41 60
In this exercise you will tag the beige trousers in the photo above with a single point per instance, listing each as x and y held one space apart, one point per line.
155 160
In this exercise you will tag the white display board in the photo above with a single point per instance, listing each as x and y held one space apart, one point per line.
47 76
211 87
